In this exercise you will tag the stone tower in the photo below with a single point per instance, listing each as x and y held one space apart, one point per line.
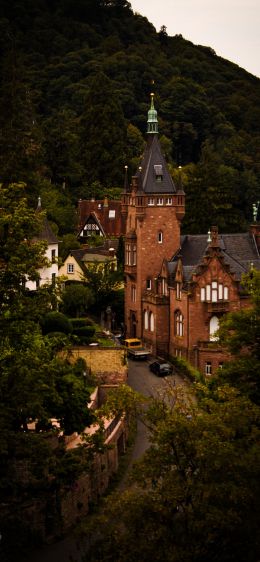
153 208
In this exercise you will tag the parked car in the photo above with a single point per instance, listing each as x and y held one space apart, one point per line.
161 368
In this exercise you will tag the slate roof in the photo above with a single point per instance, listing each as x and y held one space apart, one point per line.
47 233
147 177
239 252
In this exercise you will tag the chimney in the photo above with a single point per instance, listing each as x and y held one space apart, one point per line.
255 233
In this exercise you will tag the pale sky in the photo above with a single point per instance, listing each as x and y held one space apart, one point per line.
230 27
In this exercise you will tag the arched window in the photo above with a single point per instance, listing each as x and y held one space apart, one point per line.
213 327
146 322
151 321
178 323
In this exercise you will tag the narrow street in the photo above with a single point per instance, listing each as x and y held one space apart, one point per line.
142 380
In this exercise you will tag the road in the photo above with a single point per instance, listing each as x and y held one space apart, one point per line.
142 380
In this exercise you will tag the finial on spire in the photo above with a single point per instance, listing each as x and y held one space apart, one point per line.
152 121
126 184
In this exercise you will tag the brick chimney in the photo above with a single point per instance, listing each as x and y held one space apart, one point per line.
255 232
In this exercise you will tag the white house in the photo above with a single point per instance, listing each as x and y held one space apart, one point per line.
48 274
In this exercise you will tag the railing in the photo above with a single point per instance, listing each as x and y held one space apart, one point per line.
221 306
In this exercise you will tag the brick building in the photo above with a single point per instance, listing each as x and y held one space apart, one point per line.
177 287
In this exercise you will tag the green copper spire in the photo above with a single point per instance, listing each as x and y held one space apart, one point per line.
152 121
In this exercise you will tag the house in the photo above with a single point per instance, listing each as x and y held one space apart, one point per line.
99 218
76 264
178 287
49 273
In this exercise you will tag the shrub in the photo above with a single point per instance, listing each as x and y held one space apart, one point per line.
79 322
56 322
184 369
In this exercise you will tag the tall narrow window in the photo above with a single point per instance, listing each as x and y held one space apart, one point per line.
220 291
151 322
208 368
146 320
178 291
159 201
208 292
179 324
134 254
214 291
148 284
226 293
53 256
160 237
202 294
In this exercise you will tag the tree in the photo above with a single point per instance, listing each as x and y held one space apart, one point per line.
196 492
103 134
240 334
103 281
77 299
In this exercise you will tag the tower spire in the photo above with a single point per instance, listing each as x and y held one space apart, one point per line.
152 121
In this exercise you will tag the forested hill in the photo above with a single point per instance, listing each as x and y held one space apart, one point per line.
75 82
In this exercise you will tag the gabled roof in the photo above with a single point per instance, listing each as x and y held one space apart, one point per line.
239 252
106 212
152 163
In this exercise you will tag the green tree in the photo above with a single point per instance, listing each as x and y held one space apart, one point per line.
240 334
196 492
103 134
103 282
77 299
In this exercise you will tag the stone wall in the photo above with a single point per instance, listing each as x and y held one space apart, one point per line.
107 364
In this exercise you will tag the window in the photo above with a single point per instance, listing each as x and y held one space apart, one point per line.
164 286
134 254
178 291
160 237
151 322
213 292
208 368
159 201
169 201
220 365
213 327
148 284
133 293
53 279
150 201
179 325
145 320
111 214
70 268
53 255
158 172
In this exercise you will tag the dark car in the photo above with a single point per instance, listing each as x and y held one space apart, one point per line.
161 368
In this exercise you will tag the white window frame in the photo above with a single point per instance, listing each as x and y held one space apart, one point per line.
159 201
150 201
70 268
226 293
203 294
169 201
146 320
208 368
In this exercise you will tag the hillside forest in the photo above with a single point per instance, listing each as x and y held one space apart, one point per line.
76 78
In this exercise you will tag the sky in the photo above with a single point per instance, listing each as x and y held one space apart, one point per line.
230 27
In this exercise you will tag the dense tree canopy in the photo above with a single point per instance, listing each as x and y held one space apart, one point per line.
74 93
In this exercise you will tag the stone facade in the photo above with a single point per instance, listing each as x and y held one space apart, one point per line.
178 287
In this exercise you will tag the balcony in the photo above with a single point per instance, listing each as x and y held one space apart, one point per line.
220 307
130 270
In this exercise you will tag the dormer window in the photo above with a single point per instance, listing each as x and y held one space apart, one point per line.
159 201
158 172
150 201
168 200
